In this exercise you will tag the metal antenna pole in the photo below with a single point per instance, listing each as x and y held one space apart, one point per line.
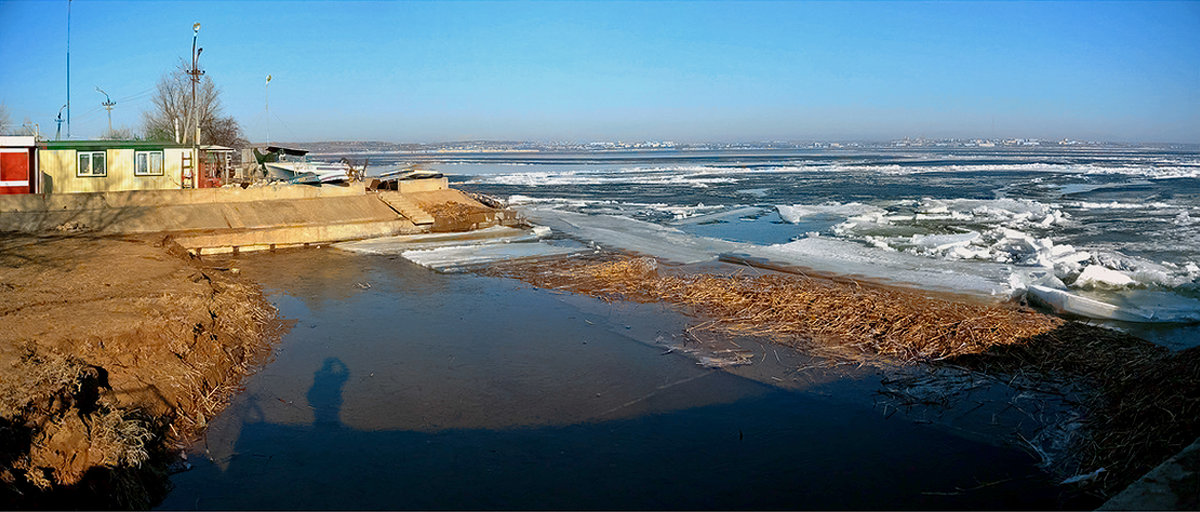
68 69
108 105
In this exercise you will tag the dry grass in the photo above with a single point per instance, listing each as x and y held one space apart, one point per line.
37 381
843 321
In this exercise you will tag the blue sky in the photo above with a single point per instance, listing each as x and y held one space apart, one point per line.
731 71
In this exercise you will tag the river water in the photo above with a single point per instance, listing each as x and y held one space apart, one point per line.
401 388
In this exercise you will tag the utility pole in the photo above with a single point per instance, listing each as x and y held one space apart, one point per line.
195 73
59 121
68 69
108 104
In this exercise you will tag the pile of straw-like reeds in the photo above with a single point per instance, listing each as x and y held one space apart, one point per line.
842 320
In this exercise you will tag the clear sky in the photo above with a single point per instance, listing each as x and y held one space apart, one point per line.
575 71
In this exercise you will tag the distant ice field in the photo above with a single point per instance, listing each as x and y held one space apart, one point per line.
1118 226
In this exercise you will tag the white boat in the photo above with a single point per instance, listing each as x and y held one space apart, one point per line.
293 166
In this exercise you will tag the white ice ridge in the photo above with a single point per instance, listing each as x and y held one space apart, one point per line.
402 243
729 214
632 235
676 175
1133 306
818 254
828 255
843 257
463 257
794 213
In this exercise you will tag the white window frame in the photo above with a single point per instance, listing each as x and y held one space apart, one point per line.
91 168
149 155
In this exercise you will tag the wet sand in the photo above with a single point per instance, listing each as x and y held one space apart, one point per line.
402 388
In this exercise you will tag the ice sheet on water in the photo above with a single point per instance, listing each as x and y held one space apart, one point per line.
1132 306
1099 276
632 235
794 213
728 214
399 244
1042 270
828 255
459 258
673 175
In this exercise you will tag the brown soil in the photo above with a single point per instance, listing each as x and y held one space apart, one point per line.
454 210
113 350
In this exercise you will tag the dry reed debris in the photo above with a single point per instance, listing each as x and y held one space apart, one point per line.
838 320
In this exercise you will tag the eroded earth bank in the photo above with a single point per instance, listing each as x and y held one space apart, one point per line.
114 352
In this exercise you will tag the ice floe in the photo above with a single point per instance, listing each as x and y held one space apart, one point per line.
793 213
465 257
1098 276
632 235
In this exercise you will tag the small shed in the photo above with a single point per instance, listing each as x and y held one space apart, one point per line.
216 167
18 165
113 165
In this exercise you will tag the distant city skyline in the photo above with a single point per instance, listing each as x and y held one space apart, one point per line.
578 71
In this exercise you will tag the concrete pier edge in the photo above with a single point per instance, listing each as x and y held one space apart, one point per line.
1173 485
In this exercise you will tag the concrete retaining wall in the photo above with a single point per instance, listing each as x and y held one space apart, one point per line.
207 221
84 201
203 216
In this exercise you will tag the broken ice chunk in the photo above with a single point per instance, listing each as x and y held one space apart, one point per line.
1102 277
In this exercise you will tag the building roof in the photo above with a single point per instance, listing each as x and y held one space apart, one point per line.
17 141
109 144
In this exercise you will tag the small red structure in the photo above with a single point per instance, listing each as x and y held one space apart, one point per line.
216 166
18 165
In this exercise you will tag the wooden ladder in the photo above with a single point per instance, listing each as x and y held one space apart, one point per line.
187 176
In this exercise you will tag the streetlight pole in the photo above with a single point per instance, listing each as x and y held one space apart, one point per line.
267 107
108 104
59 121
195 74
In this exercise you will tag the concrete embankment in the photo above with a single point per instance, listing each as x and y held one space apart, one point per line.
1173 485
207 221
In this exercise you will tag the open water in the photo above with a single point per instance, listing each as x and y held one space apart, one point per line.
1012 217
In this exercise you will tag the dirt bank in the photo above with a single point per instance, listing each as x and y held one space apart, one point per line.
113 351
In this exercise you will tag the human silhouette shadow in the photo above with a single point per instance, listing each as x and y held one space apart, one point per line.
325 395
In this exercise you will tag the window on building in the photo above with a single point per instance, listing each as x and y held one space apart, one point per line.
148 163
92 163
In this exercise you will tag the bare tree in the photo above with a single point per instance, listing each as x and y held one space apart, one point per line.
122 133
5 124
170 117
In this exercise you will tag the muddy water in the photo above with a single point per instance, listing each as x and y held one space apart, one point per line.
399 388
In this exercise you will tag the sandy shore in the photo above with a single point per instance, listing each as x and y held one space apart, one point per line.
114 352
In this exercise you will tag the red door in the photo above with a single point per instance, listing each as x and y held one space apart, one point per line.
14 171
